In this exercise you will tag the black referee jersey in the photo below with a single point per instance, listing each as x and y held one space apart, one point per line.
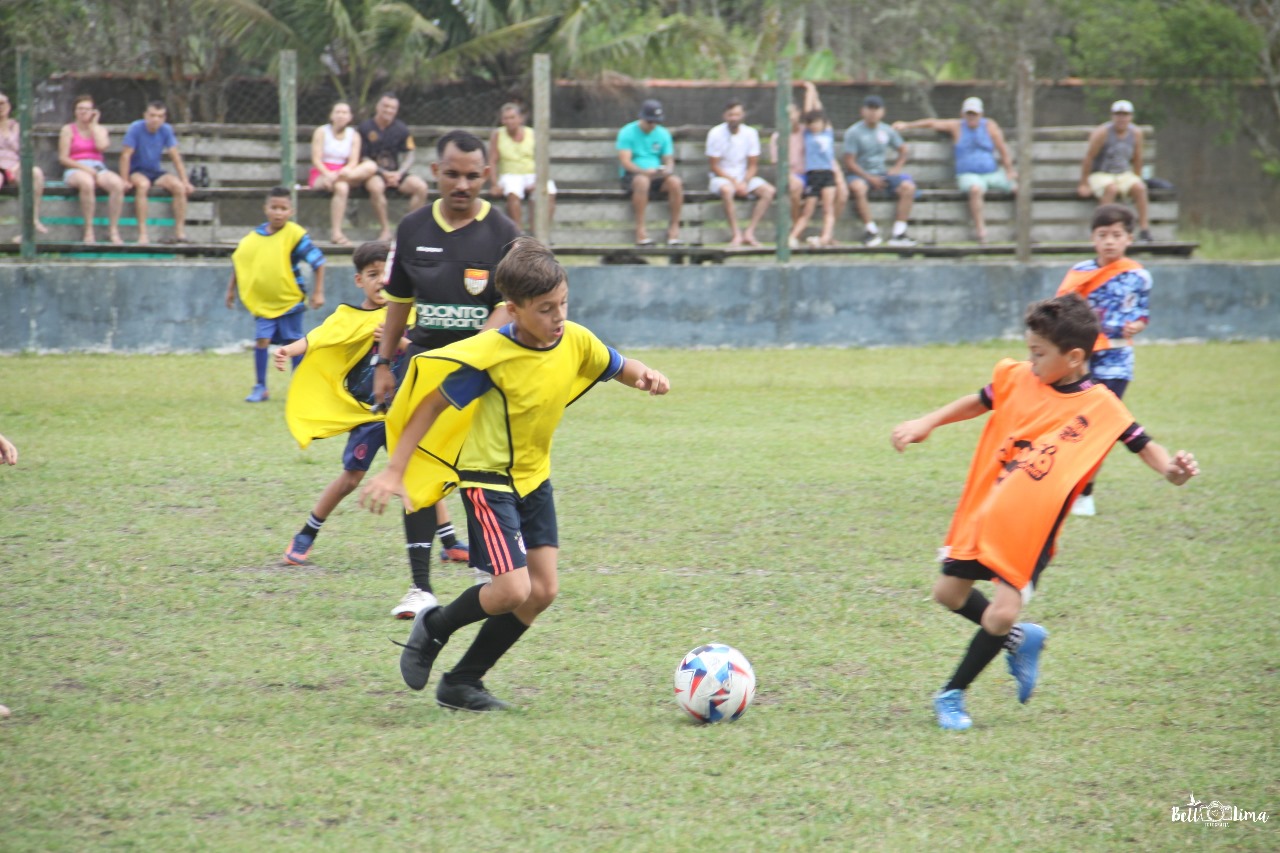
447 274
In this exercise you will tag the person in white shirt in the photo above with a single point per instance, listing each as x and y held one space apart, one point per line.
733 153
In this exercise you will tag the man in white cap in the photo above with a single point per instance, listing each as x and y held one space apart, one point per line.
1112 165
646 167
978 140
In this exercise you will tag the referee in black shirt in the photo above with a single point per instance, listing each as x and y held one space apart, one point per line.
442 264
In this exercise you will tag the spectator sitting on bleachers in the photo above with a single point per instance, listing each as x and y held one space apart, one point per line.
81 144
10 157
387 149
977 141
335 155
733 155
865 145
1112 165
145 143
511 159
821 177
795 153
647 158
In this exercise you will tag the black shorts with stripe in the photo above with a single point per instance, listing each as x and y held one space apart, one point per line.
501 526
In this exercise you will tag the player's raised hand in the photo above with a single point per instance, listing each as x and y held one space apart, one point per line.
8 453
909 432
1182 467
653 382
377 492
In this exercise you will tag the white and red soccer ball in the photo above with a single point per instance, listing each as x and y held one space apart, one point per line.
714 683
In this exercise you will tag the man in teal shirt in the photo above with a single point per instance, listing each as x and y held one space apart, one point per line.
646 159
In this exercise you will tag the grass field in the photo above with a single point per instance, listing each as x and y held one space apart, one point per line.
174 687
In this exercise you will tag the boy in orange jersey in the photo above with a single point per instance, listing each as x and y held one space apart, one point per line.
1050 429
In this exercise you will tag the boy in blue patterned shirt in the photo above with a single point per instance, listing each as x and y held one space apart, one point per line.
1118 289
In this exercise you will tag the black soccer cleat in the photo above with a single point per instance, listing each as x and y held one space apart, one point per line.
420 652
461 696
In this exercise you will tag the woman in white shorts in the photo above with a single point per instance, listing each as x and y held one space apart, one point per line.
511 155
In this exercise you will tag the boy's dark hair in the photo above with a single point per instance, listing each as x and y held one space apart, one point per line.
370 253
528 271
1110 214
733 102
812 116
279 192
390 96
1065 321
157 105
464 141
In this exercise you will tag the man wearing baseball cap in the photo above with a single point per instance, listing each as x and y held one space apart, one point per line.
1112 165
646 166
977 141
867 144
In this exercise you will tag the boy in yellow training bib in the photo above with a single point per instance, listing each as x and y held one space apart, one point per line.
479 415
267 273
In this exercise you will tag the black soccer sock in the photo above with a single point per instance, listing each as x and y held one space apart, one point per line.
312 527
496 636
974 606
447 536
462 611
419 530
982 651
1088 490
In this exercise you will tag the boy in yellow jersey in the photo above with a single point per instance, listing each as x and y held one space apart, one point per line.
479 414
332 391
1050 429
267 273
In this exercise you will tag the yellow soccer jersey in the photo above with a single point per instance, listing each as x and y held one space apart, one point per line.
507 401
320 404
264 271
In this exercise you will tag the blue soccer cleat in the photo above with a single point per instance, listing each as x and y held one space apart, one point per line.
1024 664
949 704
299 548
257 395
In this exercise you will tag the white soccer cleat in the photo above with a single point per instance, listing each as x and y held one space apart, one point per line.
414 602
1084 506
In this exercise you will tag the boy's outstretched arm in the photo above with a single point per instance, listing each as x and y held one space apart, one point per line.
231 291
913 432
390 481
288 351
636 374
317 290
1177 469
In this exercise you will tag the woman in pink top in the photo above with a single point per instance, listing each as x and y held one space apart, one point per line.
10 159
335 152
80 147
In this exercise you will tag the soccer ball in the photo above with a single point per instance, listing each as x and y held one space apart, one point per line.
715 683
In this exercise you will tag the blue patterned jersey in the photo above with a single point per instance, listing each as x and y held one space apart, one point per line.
1124 299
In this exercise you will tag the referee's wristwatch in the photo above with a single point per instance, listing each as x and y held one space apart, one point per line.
377 359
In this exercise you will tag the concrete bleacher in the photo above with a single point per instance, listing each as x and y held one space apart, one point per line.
593 214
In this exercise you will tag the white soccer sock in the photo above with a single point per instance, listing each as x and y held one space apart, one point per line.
899 228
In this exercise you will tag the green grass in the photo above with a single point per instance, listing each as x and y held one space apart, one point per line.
1235 245
175 688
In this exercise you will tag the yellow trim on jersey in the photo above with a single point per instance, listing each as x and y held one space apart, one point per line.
435 214
403 300
507 432
319 405
264 274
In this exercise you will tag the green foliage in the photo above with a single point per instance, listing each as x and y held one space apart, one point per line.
174 687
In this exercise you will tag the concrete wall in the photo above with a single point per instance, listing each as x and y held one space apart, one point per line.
159 307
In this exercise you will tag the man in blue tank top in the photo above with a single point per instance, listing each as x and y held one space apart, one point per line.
978 140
